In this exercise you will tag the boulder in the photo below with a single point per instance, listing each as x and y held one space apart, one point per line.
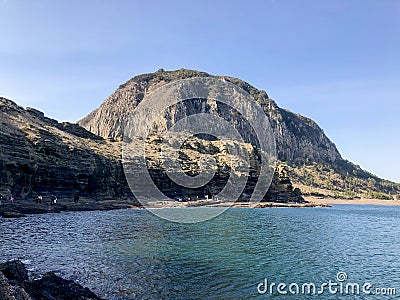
51 286
15 285
11 292
15 271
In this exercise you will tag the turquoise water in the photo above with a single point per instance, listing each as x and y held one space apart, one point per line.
132 254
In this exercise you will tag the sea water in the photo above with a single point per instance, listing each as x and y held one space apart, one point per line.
242 254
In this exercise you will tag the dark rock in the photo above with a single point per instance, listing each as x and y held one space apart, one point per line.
12 214
11 292
15 285
281 189
35 112
15 271
51 286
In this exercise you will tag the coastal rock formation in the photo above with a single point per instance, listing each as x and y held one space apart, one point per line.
15 285
314 163
11 292
281 189
15 271
226 165
42 156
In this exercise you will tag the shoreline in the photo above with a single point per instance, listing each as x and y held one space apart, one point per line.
23 208
214 203
19 209
333 201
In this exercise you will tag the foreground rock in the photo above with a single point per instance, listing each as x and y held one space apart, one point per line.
15 285
11 292
51 286
15 271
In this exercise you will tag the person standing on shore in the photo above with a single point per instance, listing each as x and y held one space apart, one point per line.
53 199
39 199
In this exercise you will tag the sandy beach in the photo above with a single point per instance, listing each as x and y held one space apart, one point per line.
214 203
333 201
311 202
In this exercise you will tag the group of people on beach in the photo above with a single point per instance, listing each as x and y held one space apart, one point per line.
53 199
39 198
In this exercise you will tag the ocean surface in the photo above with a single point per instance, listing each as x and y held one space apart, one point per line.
132 254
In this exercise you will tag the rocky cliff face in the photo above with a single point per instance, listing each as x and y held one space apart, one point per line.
40 155
298 138
301 143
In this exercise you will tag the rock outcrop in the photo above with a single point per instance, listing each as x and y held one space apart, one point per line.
15 285
42 156
281 189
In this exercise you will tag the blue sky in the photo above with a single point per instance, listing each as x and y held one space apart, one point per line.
337 62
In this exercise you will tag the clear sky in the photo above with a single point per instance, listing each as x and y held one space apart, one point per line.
337 61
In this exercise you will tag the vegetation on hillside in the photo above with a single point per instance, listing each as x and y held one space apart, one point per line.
343 180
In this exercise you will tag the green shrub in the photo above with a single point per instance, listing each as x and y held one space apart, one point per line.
378 195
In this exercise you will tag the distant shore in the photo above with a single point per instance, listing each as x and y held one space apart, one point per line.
215 203
333 201
23 208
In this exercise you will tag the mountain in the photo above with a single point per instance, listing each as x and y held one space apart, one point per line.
313 161
297 137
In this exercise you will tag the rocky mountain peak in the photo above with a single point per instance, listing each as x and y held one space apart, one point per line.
298 138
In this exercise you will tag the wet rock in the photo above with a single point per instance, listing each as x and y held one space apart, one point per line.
11 292
15 285
15 271
51 286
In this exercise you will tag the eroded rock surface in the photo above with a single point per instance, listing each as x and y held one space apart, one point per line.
16 285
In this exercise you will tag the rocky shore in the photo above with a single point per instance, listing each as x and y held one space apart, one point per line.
22 208
265 204
15 284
